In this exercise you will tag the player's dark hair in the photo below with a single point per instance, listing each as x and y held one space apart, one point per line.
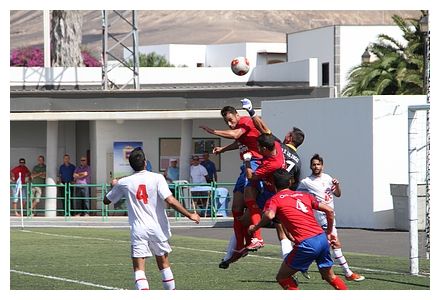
297 136
317 157
137 159
266 140
228 109
281 178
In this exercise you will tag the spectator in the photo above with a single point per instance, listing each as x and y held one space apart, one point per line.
82 177
25 173
199 174
210 167
65 176
172 173
149 167
38 177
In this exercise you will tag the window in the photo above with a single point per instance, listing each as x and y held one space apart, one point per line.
325 73
170 148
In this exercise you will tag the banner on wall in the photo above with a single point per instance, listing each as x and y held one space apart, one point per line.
121 153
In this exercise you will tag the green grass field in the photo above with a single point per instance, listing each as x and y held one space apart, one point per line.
99 258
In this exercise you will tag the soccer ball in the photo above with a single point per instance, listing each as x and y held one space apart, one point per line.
240 66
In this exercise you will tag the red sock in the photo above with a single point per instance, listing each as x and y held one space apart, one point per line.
238 230
255 213
338 284
288 283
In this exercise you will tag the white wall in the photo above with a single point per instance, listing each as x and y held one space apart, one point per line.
305 70
149 132
364 143
222 55
29 144
176 54
188 55
317 43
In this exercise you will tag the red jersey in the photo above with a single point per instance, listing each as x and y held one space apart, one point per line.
269 165
24 173
248 140
295 211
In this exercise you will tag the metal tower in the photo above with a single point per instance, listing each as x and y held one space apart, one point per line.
114 42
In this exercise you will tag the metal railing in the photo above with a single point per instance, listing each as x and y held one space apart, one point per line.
209 200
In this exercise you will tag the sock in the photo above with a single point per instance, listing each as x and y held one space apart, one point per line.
238 230
255 211
288 283
168 279
340 259
140 280
231 247
286 247
247 236
338 284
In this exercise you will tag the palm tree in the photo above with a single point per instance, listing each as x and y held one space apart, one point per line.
66 35
398 69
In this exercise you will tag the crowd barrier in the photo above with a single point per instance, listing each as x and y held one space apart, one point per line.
209 200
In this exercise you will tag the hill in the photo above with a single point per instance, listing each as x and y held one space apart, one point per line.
201 27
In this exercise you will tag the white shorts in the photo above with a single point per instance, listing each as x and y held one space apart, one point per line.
150 248
322 221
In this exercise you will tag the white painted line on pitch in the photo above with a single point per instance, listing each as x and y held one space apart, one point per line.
215 251
66 280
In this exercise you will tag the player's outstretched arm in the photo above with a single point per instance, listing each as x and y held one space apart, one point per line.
179 207
265 219
218 150
227 134
257 120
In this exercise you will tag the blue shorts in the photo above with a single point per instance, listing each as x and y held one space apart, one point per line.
242 180
263 196
312 249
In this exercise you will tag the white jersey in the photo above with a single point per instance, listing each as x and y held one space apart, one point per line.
321 187
198 174
145 192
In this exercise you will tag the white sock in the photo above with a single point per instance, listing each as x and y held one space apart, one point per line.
141 282
340 259
286 247
231 247
168 279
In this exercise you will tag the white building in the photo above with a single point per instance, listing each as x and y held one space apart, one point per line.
217 55
364 143
337 48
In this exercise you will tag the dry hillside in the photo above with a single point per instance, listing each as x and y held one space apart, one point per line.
200 27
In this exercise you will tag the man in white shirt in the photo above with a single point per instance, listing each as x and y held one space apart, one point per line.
147 193
199 174
324 187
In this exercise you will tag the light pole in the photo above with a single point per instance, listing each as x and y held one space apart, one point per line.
366 56
424 28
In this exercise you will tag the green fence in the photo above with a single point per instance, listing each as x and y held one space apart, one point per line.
209 200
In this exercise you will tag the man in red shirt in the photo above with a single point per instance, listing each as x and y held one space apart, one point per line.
243 131
15 173
295 211
273 159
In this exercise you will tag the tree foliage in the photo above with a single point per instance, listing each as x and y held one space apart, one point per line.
152 59
397 70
